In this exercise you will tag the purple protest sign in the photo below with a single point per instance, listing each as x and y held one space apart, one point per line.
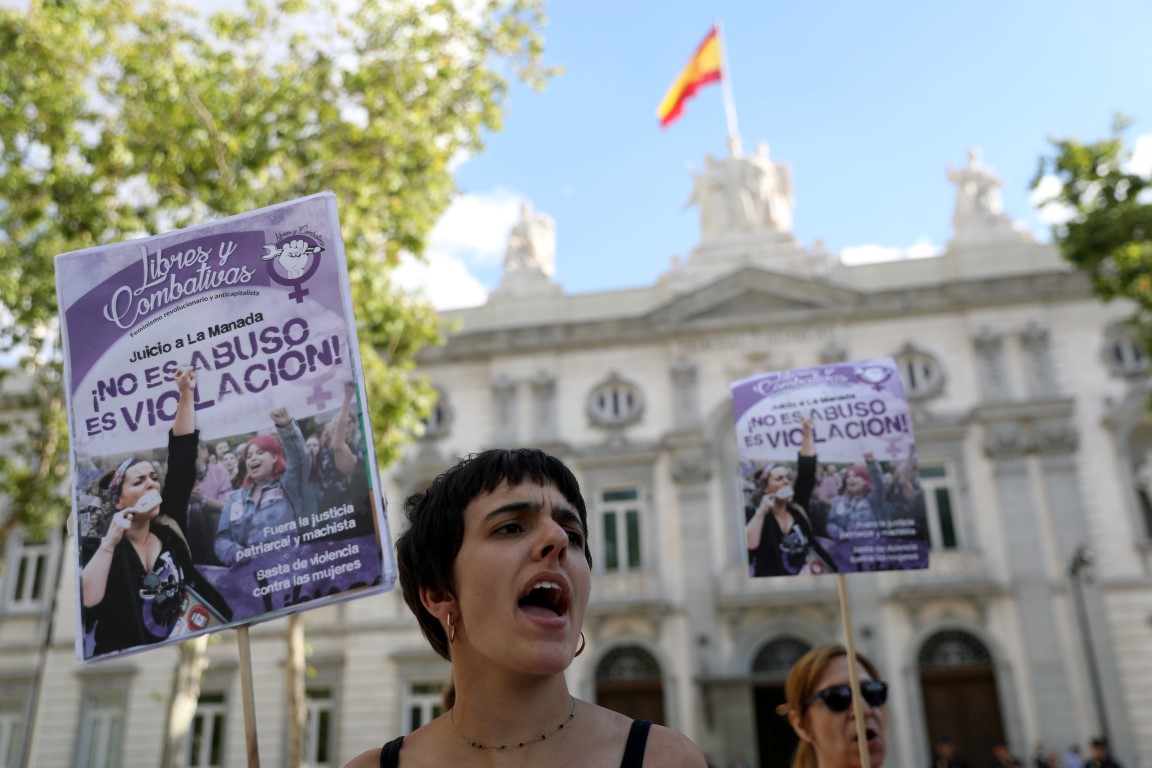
223 468
828 467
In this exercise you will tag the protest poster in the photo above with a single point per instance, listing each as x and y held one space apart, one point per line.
241 331
828 469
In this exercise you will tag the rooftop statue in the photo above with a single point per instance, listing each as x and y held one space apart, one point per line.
742 194
531 243
977 192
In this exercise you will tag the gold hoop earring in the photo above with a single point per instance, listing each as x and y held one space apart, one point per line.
451 631
583 642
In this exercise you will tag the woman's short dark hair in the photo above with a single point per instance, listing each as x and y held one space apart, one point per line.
426 550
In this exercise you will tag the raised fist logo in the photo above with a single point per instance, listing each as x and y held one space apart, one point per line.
292 258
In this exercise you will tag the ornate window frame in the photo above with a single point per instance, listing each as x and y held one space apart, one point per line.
438 423
1122 352
921 370
615 402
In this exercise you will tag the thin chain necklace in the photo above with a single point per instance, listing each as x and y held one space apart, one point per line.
542 737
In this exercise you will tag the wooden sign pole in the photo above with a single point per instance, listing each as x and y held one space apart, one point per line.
248 693
853 672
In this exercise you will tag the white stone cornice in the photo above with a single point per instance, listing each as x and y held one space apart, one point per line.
691 315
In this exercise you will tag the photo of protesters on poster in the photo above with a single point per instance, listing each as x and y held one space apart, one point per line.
828 471
223 465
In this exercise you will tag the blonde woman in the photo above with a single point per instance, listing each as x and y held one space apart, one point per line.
819 708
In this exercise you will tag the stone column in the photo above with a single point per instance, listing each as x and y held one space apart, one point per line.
1040 374
685 396
1008 445
691 469
990 370
1057 442
505 411
544 421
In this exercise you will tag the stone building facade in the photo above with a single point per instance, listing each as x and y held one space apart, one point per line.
1033 623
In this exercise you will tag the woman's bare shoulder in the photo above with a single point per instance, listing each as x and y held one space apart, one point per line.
369 759
667 747
423 747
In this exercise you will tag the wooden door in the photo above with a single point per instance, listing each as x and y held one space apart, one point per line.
775 738
643 699
962 703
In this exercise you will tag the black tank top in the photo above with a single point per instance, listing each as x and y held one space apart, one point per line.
633 750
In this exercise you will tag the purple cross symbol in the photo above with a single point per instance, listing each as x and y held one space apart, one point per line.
319 396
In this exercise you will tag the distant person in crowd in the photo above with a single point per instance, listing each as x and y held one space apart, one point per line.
818 703
947 755
1072 757
778 531
1002 757
312 485
234 468
894 493
88 474
1101 755
342 479
212 487
829 485
338 455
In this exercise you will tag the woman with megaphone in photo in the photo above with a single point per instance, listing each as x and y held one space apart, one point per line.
137 574
779 533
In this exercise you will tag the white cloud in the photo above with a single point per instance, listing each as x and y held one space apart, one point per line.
1141 162
1054 213
458 159
444 279
873 254
475 227
470 236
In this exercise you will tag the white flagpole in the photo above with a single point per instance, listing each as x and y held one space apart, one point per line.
729 100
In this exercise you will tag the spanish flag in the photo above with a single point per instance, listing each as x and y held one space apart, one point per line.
703 68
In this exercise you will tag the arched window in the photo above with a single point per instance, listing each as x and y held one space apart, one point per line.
777 656
1123 353
922 373
439 419
628 680
628 662
953 648
615 402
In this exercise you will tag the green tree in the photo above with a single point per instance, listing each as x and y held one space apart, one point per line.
129 117
122 118
1108 232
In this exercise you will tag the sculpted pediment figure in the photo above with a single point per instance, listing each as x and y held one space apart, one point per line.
977 192
531 243
742 194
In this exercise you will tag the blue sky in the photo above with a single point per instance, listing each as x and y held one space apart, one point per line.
869 103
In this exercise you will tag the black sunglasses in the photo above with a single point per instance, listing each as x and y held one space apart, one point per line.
839 697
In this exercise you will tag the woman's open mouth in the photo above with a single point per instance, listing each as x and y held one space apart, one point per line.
544 597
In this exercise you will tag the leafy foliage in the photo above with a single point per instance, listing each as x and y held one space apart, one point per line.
1109 232
123 118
